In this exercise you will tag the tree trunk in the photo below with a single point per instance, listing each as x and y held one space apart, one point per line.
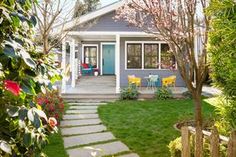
45 45
198 121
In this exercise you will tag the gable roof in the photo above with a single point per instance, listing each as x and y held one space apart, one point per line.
92 15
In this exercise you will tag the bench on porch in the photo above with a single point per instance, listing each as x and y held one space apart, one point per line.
88 69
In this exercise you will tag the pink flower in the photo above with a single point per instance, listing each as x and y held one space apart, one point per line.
52 122
12 86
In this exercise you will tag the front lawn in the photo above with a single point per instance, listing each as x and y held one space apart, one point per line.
147 126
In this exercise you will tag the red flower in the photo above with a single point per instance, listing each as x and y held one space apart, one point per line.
12 86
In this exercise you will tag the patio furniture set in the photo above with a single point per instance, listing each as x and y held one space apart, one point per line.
88 69
152 81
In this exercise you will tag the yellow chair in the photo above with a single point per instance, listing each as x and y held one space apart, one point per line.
134 80
169 81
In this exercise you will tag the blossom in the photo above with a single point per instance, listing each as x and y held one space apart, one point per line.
52 122
12 86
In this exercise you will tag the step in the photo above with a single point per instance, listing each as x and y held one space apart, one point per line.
67 123
83 130
90 96
101 149
90 100
73 104
83 107
129 155
80 111
87 139
79 116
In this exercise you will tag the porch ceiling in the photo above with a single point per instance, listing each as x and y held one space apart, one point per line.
97 37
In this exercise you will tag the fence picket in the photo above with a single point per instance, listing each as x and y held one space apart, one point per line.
232 145
214 143
185 142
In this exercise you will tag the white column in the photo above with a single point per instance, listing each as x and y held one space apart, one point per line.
117 63
73 68
63 67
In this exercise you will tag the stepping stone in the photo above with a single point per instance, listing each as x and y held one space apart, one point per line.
80 116
84 107
83 130
87 139
105 149
87 104
80 122
130 155
80 111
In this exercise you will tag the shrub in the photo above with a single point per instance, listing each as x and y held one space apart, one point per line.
129 93
23 73
52 104
163 93
188 95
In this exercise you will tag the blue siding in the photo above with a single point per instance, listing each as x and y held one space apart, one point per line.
106 23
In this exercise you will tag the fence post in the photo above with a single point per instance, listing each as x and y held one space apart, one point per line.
185 139
232 144
214 143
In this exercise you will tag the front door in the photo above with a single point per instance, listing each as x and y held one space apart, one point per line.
108 59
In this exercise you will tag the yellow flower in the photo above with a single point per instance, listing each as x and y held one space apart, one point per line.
39 107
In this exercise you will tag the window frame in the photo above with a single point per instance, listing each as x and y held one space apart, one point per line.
141 55
90 45
142 43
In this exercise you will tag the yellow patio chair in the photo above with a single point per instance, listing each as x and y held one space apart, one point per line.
169 81
134 80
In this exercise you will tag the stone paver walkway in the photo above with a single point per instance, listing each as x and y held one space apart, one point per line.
84 134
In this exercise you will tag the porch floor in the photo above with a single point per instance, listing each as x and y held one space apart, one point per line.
93 85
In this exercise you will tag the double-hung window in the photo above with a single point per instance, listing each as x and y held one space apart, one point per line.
148 55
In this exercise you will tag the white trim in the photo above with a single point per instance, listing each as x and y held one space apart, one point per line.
84 33
73 68
101 54
63 66
88 45
117 63
142 43
89 16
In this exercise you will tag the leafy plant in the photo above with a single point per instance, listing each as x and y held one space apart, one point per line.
129 93
52 104
23 73
163 93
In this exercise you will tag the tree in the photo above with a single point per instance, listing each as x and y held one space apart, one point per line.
84 7
50 13
179 23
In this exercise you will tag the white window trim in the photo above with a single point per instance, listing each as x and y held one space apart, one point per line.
90 45
142 43
101 56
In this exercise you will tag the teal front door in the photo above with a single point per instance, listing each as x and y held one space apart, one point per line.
108 59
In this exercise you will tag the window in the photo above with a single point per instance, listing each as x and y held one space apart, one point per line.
167 58
90 55
148 55
151 56
134 56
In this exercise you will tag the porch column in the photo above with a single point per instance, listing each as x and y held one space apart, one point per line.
63 67
73 68
117 63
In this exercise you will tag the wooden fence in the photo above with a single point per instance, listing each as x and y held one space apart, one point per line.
214 138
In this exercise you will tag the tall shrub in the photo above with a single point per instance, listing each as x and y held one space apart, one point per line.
23 74
223 56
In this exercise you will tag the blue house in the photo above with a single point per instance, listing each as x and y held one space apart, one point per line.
113 48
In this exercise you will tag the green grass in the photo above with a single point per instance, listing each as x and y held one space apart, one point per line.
55 148
147 126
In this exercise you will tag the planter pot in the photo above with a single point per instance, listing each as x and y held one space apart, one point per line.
95 73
